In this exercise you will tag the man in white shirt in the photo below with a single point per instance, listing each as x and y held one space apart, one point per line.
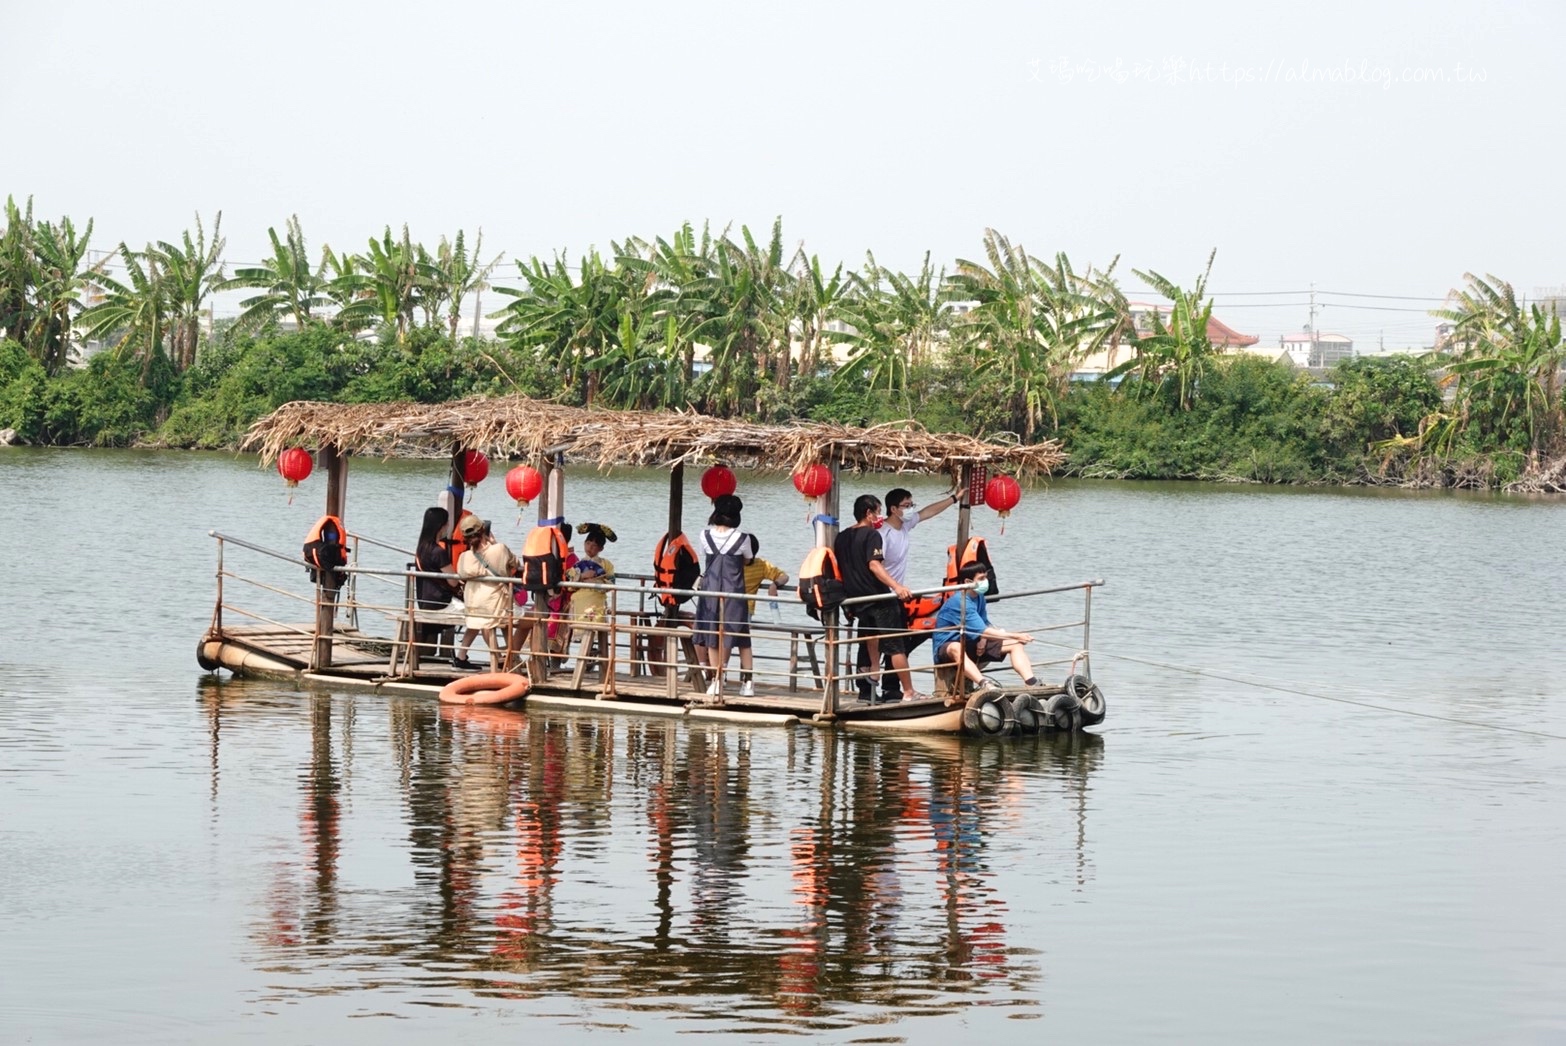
896 538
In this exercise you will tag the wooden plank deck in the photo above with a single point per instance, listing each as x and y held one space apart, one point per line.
356 658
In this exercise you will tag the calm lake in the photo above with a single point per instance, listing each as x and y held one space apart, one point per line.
1349 827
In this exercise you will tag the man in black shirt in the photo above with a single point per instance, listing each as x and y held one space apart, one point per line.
860 558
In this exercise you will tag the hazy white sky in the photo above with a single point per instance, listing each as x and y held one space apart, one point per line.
1368 148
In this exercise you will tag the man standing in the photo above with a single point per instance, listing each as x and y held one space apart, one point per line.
896 538
861 559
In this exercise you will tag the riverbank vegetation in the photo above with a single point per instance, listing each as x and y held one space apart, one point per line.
736 325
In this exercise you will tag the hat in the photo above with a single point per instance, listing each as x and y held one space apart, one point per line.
472 525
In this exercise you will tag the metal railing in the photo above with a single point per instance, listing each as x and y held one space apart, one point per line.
637 637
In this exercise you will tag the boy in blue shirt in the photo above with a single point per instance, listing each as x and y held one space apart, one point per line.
962 627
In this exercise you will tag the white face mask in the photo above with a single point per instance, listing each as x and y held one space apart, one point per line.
982 585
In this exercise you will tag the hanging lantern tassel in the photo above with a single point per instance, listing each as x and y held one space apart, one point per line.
294 465
1002 493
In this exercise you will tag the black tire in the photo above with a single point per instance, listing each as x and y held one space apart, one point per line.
1026 714
1063 711
203 660
1089 697
988 714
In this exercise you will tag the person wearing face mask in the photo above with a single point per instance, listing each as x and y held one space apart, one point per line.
862 561
896 538
962 626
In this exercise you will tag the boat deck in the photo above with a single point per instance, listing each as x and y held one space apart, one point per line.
367 661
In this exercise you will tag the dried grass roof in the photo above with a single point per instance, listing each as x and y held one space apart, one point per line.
515 426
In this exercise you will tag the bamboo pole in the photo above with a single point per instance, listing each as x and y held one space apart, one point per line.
826 536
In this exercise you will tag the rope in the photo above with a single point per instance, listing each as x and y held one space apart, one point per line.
1285 689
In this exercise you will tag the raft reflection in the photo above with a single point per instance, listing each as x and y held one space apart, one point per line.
738 877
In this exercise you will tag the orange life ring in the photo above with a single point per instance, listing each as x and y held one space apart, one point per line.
486 688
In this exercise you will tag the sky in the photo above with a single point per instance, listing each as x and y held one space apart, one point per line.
1373 151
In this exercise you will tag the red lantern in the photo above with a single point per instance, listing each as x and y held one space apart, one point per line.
524 484
475 467
1002 493
717 482
294 464
813 480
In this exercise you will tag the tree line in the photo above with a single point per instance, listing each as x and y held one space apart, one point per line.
738 325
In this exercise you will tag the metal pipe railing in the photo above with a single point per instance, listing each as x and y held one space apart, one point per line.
634 627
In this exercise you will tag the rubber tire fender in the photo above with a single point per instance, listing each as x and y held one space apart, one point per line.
987 714
1026 713
203 660
1063 711
1090 697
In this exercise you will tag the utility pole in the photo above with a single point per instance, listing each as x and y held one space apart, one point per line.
477 295
1314 358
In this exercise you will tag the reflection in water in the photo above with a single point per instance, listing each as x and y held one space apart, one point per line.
699 871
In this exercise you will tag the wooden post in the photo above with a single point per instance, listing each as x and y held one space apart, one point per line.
455 485
676 498
325 595
964 510
826 536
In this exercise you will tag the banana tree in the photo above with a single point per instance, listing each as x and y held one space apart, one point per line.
191 270
454 274
1029 324
289 284
1508 360
62 278
135 308
1175 356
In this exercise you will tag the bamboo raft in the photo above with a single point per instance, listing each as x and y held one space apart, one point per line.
625 677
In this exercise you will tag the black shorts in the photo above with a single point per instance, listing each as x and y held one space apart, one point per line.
984 650
882 617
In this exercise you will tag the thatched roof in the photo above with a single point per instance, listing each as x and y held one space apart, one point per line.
515 426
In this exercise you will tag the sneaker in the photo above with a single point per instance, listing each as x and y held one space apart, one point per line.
463 663
715 689
989 684
747 688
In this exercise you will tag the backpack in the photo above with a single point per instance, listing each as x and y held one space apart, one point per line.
820 582
324 554
543 561
975 551
676 566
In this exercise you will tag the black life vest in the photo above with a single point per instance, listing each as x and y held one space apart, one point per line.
975 551
543 560
676 566
820 582
324 552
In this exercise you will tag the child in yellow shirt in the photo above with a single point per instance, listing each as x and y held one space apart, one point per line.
759 570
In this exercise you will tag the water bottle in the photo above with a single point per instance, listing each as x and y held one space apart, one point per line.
776 611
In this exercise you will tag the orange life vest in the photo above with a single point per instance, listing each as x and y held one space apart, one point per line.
543 560
975 551
820 582
920 610
676 566
324 551
455 542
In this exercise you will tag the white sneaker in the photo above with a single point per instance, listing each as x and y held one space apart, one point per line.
747 688
715 689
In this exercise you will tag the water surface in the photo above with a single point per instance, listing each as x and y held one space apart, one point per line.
1320 835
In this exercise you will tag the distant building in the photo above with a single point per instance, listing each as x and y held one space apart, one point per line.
1316 351
1225 338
